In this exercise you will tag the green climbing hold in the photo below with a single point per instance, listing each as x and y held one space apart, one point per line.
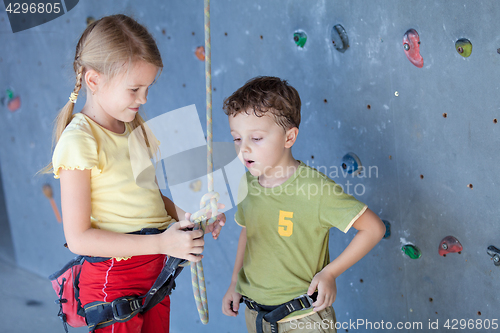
300 38
463 47
411 251
10 94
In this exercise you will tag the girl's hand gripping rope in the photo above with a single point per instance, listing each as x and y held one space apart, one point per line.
180 242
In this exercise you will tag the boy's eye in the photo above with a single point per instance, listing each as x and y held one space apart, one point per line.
257 139
237 140
135 90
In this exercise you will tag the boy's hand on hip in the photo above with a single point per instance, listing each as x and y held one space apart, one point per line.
327 290
231 302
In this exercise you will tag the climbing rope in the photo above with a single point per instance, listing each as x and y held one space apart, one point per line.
198 279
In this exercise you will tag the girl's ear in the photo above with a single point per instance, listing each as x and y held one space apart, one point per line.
92 79
291 136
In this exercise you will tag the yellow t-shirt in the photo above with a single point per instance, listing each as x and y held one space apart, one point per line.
118 203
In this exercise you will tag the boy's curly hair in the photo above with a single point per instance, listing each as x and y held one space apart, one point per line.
264 94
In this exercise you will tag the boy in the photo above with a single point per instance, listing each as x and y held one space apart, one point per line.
282 262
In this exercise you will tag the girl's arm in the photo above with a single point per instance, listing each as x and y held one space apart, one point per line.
231 295
370 231
171 208
85 240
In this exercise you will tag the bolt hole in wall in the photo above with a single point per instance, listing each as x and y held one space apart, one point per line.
495 121
470 186
445 115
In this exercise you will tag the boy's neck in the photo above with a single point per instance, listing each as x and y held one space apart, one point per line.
280 173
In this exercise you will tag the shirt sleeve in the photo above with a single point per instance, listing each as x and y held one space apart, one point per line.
75 149
242 194
238 217
339 209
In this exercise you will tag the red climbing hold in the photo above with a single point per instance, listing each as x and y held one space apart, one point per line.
411 45
449 244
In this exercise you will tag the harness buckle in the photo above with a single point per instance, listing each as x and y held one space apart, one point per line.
134 304
306 301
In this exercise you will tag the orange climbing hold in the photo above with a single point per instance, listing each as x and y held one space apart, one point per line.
14 104
47 190
200 53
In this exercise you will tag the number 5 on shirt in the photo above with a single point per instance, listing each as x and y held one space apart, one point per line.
285 227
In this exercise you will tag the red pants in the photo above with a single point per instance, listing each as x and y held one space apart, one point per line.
111 279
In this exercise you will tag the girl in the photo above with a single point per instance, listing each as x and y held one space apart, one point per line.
117 60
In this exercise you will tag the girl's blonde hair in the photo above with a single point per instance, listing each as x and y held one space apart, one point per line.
104 46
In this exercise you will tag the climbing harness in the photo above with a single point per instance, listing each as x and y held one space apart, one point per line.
273 314
101 314
197 276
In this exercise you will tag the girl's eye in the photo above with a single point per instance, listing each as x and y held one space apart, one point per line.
257 139
237 140
135 90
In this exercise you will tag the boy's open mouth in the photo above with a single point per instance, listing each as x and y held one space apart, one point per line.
249 163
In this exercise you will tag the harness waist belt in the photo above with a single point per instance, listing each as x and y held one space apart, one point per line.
273 314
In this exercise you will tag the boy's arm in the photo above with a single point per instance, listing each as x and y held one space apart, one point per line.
231 295
370 231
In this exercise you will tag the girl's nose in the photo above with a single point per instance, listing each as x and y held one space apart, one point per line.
142 98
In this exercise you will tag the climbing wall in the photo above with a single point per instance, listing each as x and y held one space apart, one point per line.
407 89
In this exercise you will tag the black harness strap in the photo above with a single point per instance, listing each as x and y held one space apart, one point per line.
273 314
101 314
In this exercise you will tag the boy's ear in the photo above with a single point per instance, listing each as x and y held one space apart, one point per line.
291 136
92 79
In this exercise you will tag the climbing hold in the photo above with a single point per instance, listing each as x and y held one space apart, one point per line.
449 244
494 253
387 229
200 53
352 164
300 38
90 19
14 104
411 251
195 186
339 38
411 45
47 191
463 47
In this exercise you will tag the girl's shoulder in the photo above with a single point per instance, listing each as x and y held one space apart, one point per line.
79 124
77 135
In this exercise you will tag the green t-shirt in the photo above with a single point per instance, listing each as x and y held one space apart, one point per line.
287 233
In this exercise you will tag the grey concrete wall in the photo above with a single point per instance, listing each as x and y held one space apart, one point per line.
425 161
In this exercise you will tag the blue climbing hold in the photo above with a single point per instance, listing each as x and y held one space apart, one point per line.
387 229
351 163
